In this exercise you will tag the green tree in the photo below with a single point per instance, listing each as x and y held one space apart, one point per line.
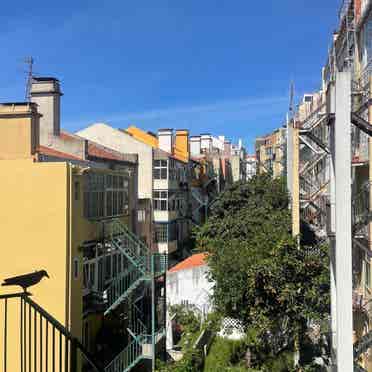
261 276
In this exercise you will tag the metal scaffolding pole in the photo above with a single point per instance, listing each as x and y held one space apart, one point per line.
342 168
289 157
332 223
295 181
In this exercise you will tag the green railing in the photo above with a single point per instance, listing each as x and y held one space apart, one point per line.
146 266
127 359
121 287
43 344
129 244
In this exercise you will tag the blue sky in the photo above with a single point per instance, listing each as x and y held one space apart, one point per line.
211 66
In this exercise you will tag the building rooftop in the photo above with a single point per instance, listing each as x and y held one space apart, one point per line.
195 260
58 154
99 151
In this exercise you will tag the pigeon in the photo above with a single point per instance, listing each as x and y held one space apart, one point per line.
26 280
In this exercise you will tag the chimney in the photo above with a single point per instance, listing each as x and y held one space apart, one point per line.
19 130
46 93
182 142
206 142
195 145
165 137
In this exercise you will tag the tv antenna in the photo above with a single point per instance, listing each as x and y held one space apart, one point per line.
30 62
291 100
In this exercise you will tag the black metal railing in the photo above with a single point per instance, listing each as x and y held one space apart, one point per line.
34 341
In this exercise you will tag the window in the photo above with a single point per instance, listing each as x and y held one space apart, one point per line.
117 189
172 169
160 200
105 195
94 195
160 169
76 268
141 215
165 232
368 39
161 232
164 200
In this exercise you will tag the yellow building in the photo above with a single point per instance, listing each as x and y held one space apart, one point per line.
73 218
271 153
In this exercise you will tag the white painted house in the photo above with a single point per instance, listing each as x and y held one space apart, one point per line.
188 284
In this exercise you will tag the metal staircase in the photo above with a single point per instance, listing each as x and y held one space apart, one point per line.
314 175
145 266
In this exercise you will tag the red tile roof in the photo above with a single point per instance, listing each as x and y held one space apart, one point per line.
195 260
68 136
58 154
105 153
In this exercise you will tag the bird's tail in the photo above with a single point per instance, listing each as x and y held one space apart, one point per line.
5 283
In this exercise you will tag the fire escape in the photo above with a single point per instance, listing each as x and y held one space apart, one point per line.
361 130
127 287
314 175
140 278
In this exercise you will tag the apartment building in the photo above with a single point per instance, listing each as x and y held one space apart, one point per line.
251 166
329 172
271 153
75 201
222 164
166 173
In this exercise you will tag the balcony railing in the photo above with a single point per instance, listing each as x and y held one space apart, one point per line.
360 207
33 340
359 146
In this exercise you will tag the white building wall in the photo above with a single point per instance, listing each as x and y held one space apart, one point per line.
123 142
190 286
218 143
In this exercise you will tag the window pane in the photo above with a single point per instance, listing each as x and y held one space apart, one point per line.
164 163
163 173
163 205
121 202
109 203
115 203
157 173
156 163
109 181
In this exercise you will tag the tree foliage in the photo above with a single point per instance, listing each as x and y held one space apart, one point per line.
261 276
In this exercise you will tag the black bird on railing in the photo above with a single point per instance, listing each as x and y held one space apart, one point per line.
26 280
